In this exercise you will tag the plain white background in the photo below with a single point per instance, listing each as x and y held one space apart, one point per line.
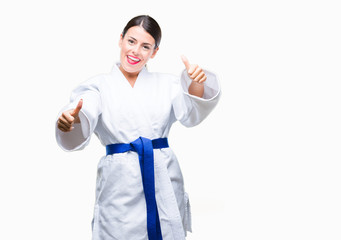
264 165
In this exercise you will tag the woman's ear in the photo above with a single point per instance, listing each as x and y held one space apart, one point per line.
154 53
120 41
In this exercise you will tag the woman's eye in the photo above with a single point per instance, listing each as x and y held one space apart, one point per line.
146 47
130 41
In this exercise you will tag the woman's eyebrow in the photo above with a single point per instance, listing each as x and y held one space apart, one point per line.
132 38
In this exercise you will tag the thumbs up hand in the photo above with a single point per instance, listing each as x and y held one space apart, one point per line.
198 77
69 117
194 71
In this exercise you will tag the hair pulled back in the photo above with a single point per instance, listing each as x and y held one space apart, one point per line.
147 23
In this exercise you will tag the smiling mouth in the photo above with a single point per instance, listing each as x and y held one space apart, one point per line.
133 60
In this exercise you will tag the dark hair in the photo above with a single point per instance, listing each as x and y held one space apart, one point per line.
148 24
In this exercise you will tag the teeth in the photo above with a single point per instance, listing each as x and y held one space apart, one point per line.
134 59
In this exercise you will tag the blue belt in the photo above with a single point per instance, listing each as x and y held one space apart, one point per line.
144 148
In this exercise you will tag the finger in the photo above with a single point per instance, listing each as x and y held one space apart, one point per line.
78 108
63 127
64 121
192 69
186 62
68 117
200 76
203 79
196 73
66 125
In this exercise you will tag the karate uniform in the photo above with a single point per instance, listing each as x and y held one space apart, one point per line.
119 113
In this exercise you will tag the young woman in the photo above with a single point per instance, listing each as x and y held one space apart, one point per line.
140 190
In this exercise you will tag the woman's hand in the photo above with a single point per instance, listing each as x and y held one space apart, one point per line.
69 117
198 77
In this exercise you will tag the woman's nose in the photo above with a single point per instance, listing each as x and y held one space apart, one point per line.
136 50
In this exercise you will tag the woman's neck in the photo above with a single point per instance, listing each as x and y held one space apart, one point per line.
131 77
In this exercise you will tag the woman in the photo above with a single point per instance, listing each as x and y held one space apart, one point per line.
140 191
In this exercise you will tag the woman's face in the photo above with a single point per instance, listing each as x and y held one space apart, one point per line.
137 47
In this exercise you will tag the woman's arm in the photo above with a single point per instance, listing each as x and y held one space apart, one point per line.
192 101
69 117
196 89
77 120
197 76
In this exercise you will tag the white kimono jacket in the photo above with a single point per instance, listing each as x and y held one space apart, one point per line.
119 113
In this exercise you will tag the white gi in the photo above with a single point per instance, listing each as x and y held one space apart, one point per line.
119 113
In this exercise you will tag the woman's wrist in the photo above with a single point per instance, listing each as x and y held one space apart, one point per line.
196 89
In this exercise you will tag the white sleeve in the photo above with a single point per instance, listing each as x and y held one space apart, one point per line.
80 136
190 110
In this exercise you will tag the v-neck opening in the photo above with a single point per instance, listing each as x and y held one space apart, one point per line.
117 65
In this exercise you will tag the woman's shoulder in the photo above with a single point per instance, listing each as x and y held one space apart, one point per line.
96 80
93 83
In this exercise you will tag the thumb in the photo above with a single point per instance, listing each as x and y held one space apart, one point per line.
78 108
186 62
